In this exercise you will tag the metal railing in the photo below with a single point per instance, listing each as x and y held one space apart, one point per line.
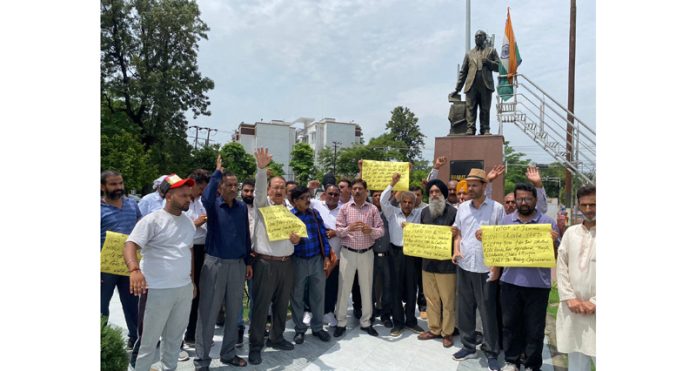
546 121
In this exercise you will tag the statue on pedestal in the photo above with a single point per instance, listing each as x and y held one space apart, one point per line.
476 76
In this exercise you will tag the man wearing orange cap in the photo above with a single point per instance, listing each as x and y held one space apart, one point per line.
163 277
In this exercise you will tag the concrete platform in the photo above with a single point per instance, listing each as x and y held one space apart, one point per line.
355 350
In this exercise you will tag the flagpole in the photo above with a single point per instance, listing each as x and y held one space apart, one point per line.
467 44
571 106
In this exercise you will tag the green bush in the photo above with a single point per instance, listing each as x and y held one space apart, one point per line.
113 351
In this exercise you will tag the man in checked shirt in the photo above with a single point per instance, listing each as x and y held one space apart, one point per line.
358 224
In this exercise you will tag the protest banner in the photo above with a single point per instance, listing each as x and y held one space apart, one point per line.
112 254
378 174
280 222
518 245
428 241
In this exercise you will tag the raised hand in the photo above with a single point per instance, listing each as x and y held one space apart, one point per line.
439 162
534 176
497 171
218 163
263 158
395 178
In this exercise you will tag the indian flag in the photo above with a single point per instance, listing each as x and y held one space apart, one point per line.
509 60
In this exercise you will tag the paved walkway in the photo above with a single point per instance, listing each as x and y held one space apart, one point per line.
356 350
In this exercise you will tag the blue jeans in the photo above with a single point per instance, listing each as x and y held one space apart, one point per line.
129 302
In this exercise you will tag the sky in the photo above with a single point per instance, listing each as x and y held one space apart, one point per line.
355 60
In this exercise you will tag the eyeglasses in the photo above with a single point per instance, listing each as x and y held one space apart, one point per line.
524 199
510 202
332 194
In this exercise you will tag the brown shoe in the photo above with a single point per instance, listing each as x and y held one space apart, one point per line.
447 341
427 335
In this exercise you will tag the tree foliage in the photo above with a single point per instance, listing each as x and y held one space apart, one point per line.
237 160
123 152
149 73
302 163
204 157
516 166
403 127
275 169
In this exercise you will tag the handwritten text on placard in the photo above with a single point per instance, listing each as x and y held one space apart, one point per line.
428 241
378 174
112 254
519 245
280 222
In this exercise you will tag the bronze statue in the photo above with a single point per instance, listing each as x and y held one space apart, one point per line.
477 79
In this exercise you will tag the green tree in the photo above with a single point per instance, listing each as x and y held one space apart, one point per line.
123 152
516 166
149 73
237 160
403 127
275 169
390 149
204 157
302 163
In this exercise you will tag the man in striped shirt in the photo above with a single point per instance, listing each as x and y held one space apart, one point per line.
358 224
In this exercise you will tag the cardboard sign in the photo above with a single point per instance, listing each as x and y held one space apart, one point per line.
428 241
518 245
378 174
112 254
280 222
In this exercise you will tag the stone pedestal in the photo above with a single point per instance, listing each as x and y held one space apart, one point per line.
468 151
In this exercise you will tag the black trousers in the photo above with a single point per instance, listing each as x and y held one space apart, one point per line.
473 291
420 299
382 286
331 291
524 320
198 257
273 284
403 269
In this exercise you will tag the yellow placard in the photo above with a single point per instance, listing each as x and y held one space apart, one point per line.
518 245
112 254
428 241
280 222
378 174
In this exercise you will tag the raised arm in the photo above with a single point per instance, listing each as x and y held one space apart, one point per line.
387 208
263 159
534 177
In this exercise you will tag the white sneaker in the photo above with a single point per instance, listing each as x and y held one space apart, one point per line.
509 367
330 319
183 356
307 318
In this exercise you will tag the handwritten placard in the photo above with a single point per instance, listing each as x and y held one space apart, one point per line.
112 254
378 174
428 241
280 222
519 245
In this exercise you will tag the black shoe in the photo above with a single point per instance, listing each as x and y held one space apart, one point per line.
235 361
415 328
202 368
299 338
240 337
281 345
370 330
255 357
339 331
479 338
387 322
129 345
322 335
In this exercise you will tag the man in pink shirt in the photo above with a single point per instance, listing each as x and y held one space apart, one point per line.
358 224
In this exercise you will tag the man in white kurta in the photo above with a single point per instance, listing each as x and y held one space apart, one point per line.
576 319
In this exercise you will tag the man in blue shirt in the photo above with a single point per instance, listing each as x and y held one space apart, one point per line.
118 214
524 292
225 267
311 258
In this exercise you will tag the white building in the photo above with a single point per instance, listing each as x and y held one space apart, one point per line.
327 132
278 136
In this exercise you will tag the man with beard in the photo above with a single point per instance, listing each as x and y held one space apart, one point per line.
226 265
403 266
274 273
524 292
439 276
477 285
534 177
163 277
196 213
118 214
358 224
576 271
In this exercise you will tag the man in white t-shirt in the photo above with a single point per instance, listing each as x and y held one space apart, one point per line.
163 277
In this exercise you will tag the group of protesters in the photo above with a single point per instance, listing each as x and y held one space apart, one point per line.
201 246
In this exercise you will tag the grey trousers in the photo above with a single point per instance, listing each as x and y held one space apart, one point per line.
222 281
474 292
308 272
273 282
166 315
